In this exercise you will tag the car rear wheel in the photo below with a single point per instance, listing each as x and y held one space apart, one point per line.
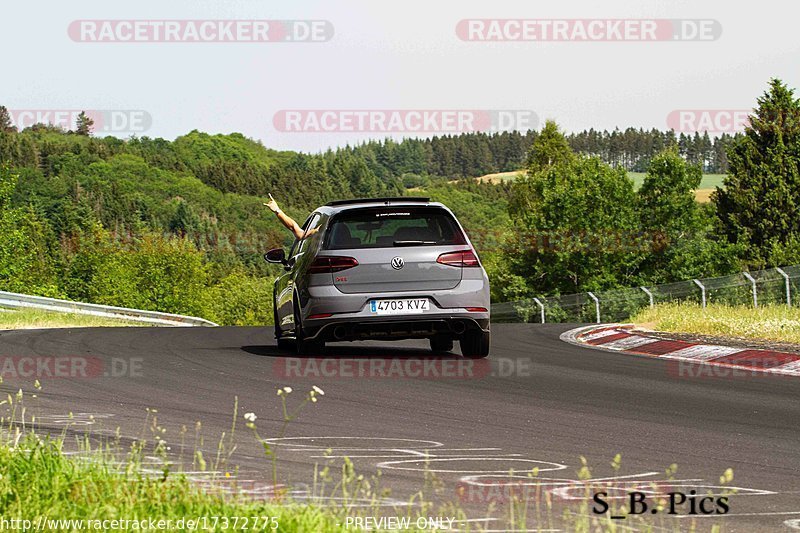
475 344
441 344
305 346
283 343
309 346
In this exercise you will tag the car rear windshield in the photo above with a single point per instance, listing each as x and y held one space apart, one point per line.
389 227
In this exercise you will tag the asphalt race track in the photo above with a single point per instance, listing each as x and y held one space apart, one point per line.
537 402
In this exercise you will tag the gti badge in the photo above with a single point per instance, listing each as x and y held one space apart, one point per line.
397 262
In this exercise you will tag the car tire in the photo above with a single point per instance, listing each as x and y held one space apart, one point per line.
286 344
475 344
441 344
283 344
304 346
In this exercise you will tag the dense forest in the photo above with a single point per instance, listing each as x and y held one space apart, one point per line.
476 154
179 225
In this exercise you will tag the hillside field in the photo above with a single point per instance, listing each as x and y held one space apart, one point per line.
703 193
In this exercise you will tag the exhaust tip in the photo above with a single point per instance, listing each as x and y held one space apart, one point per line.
339 332
459 327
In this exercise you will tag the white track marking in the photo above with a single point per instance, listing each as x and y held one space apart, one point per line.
469 449
702 352
77 419
790 368
403 454
519 530
425 466
599 334
291 441
629 342
528 481
734 515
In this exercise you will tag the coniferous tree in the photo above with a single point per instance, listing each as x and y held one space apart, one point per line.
6 125
84 125
760 203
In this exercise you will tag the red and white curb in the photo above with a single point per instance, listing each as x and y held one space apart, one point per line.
621 338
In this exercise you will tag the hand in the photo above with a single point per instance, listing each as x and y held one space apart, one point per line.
272 204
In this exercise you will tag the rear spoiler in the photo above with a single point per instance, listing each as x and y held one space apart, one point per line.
414 199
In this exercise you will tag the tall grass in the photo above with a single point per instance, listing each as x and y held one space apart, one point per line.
772 322
45 478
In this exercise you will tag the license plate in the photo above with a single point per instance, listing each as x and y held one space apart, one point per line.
399 307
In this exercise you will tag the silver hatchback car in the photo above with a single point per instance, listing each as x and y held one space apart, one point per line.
383 268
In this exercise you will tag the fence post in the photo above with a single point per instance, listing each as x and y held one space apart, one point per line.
788 286
752 280
596 305
702 292
649 294
541 307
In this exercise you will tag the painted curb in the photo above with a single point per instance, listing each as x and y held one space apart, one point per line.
692 359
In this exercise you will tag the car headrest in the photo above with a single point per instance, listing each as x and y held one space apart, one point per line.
342 238
414 234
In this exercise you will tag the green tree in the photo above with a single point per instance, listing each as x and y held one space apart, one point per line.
26 246
6 125
573 216
84 124
184 220
666 197
759 206
676 237
549 149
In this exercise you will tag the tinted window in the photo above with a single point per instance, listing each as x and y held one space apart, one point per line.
310 227
389 227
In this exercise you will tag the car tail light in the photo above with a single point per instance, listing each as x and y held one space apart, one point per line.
465 258
476 309
320 315
322 265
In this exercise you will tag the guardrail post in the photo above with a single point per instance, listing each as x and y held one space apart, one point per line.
541 307
755 291
702 291
596 305
649 295
788 286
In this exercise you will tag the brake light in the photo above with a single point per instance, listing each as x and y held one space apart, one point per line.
465 258
322 265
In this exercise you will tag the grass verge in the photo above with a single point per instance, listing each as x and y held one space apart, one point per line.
55 491
36 318
772 323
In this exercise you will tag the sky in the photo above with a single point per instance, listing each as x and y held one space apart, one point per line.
391 57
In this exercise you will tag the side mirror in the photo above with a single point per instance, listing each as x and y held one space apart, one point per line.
276 255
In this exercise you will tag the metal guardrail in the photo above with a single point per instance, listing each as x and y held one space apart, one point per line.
773 286
15 301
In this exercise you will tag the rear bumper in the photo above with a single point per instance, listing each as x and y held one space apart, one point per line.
328 299
351 317
401 327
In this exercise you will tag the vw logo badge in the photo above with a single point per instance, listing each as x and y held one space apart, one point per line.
397 262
